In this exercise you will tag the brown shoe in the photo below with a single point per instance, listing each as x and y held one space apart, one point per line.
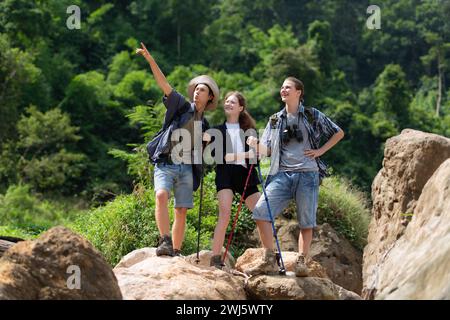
301 270
267 266
165 247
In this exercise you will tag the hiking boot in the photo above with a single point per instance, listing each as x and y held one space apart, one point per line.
301 270
177 253
267 266
216 261
165 247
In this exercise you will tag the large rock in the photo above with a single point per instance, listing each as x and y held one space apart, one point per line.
295 288
144 276
316 286
47 268
341 261
418 266
254 256
410 159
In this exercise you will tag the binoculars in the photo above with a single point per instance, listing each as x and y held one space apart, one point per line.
292 132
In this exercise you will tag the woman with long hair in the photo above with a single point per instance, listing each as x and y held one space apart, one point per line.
233 170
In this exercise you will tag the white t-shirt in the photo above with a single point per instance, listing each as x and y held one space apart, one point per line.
233 130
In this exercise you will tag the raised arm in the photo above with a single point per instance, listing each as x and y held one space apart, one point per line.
157 73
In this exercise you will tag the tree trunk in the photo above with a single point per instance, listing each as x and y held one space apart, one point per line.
178 40
5 245
7 242
439 94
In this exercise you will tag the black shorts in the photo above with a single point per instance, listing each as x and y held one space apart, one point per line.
232 176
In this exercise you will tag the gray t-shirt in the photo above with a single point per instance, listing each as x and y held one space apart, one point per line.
292 153
183 151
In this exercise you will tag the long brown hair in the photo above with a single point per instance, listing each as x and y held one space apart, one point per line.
245 119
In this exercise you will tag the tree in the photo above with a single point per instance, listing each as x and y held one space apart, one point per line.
103 126
21 84
393 95
44 159
319 41
435 30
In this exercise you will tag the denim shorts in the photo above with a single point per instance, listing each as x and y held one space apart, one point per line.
176 176
303 187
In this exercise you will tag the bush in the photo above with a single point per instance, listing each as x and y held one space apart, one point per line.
121 226
15 232
21 209
345 209
128 223
210 213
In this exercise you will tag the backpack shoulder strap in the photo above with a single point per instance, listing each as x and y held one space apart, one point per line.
310 114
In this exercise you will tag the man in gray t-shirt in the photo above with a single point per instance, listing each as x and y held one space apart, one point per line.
292 139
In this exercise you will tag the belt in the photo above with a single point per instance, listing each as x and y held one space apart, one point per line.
166 160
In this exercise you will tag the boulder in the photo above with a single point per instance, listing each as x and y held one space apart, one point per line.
294 288
410 159
341 261
205 258
58 265
418 265
253 256
144 276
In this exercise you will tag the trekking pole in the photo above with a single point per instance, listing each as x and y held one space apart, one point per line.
200 215
199 218
280 262
237 214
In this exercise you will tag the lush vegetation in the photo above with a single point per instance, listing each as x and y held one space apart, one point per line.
77 105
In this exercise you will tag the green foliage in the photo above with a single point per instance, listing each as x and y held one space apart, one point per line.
28 213
103 126
42 159
210 211
345 209
245 226
49 131
373 83
15 232
393 96
121 226
21 84
319 40
138 164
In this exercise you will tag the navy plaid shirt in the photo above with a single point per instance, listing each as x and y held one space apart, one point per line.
321 126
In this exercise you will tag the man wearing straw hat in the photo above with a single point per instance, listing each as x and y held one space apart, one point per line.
178 164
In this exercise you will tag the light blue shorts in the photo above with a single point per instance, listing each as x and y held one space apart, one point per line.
303 187
176 176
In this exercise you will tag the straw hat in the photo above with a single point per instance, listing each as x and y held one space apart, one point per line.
211 84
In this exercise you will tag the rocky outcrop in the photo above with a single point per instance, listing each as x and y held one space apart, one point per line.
254 256
316 286
58 265
418 265
144 276
341 261
294 288
410 222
